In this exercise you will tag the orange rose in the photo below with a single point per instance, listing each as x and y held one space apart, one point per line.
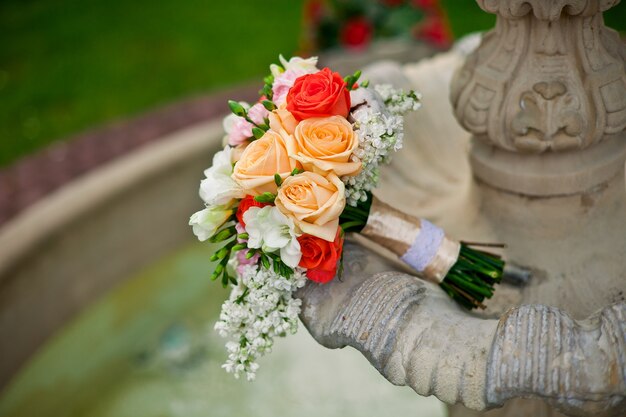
262 159
326 144
320 94
314 202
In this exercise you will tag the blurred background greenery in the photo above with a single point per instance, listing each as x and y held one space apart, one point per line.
69 65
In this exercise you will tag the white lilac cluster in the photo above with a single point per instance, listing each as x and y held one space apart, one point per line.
397 101
378 121
260 308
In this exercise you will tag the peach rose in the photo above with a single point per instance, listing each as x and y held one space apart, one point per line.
326 144
237 151
314 202
282 121
262 159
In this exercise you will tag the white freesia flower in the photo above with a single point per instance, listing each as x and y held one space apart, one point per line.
206 222
305 65
219 188
272 231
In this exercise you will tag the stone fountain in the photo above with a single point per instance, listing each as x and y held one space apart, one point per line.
543 98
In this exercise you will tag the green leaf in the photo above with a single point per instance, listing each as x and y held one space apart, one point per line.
223 235
240 299
266 197
239 247
265 261
236 108
351 80
297 171
267 91
258 132
250 253
365 84
269 105
278 180
220 254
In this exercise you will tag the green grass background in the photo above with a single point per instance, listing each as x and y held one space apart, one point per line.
69 65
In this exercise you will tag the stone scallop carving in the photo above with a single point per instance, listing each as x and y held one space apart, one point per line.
549 77
415 336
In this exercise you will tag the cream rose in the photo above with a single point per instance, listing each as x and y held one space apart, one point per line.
326 145
314 202
262 159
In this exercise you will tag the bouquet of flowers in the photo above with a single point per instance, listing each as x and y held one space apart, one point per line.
295 174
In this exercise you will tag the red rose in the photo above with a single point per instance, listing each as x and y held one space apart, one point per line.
320 256
321 94
357 33
247 202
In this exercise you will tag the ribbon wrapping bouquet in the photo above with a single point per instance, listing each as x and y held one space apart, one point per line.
295 175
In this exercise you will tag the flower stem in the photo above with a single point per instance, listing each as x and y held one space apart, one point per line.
472 278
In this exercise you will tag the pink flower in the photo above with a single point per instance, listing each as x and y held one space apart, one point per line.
242 261
241 255
258 113
240 228
240 132
283 83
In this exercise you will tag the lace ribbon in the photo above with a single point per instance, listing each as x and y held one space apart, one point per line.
419 243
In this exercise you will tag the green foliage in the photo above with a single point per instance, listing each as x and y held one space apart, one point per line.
266 197
466 17
69 65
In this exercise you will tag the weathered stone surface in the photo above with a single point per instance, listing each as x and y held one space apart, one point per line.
414 335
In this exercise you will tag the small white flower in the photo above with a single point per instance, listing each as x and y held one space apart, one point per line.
206 222
272 231
219 188
259 309
378 123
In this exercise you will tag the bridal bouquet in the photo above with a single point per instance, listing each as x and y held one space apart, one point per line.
297 172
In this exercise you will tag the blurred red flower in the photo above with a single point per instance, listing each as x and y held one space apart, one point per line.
357 33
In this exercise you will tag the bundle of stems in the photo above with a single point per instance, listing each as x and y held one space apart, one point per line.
472 277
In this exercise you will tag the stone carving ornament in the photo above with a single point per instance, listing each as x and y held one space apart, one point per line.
549 77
